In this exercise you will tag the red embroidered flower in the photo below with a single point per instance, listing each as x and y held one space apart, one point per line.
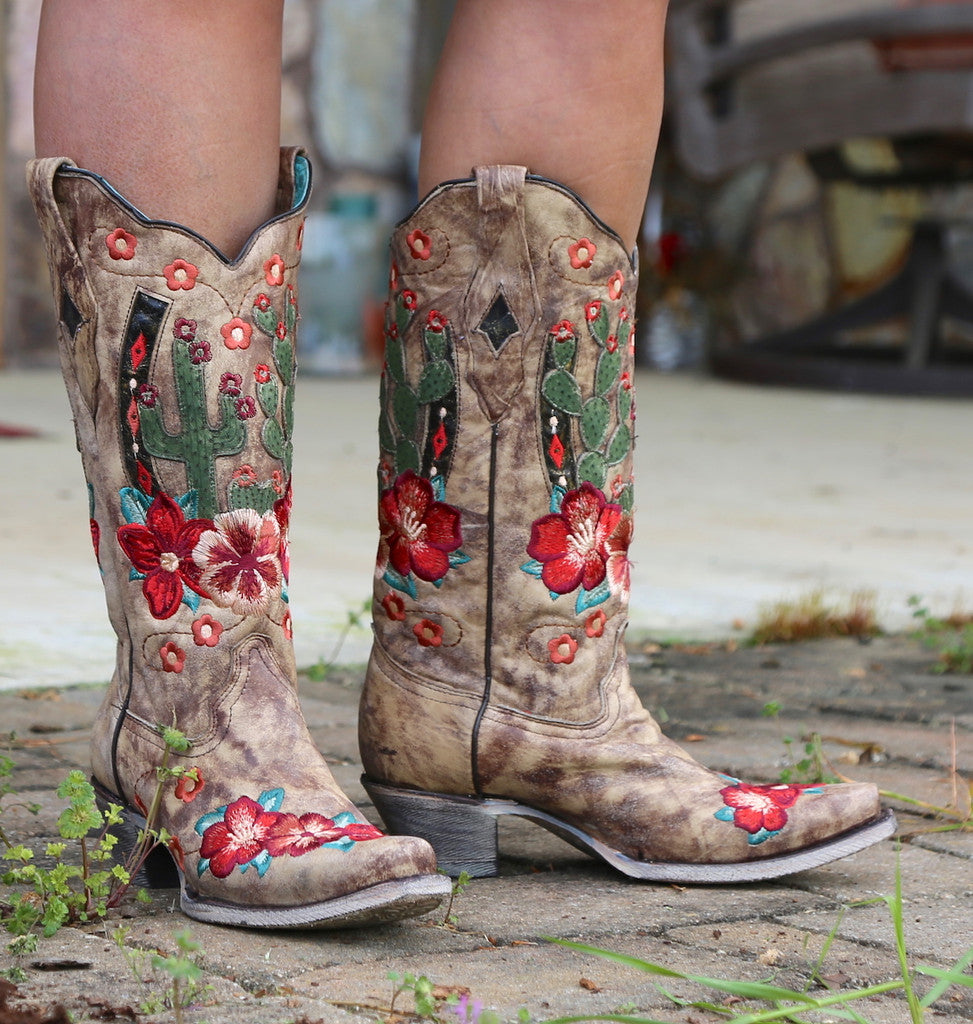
419 243
162 550
282 510
611 343
419 531
436 321
626 381
617 566
238 838
199 351
595 626
287 625
581 253
409 300
246 407
429 634
394 606
615 285
562 649
563 331
207 631
261 373
274 270
180 276
277 481
573 544
173 657
239 562
281 331
299 835
360 832
231 384
121 245
760 807
591 310
147 395
95 537
245 476
190 785
236 333
184 330
262 303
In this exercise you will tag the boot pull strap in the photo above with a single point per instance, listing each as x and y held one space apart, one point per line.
499 188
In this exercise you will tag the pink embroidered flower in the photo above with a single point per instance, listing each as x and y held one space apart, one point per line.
419 243
360 832
239 560
436 321
262 303
591 310
199 351
190 785
626 381
162 550
277 481
299 835
147 395
611 343
180 276
563 331
428 633
281 331
274 270
581 253
95 537
246 407
282 510
173 657
563 649
419 531
261 373
231 384
615 285
121 245
245 476
573 544
617 566
207 631
394 606
287 626
760 807
236 333
409 300
595 625
184 330
238 838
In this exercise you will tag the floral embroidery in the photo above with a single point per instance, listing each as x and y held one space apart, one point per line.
428 633
231 384
394 606
611 343
147 395
262 303
420 246
236 333
409 300
180 276
175 848
595 625
581 253
207 631
436 322
161 549
572 545
287 625
245 476
592 310
239 562
282 510
184 330
261 373
617 566
562 649
173 657
246 407
274 270
190 785
563 331
615 285
199 351
759 810
251 833
121 245
418 533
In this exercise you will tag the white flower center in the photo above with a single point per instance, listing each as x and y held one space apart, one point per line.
169 561
412 526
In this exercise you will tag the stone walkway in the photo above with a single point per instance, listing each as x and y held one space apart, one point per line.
878 699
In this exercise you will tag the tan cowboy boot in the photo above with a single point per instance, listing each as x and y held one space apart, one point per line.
498 681
180 365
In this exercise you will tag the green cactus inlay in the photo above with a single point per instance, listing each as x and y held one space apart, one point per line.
277 400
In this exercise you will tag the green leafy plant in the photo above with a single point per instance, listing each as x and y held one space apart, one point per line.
357 617
951 638
813 767
450 920
182 969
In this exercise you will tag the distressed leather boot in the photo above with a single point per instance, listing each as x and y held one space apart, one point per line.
179 364
498 681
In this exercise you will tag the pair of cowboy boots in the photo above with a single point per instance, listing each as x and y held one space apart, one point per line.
498 680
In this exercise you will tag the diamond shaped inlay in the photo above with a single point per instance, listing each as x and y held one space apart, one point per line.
499 323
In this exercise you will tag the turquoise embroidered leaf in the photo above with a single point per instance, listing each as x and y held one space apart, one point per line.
557 497
271 799
404 583
458 558
533 568
589 598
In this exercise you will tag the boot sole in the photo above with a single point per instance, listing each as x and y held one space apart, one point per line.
378 904
463 832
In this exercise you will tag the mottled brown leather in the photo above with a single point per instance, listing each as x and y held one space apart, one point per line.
496 709
235 699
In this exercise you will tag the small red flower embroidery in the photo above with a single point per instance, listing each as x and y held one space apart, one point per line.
207 631
190 785
246 407
595 625
419 243
581 253
591 310
562 649
611 343
121 245
573 544
180 276
617 566
231 384
299 835
274 270
238 838
436 321
95 537
429 634
199 351
757 808
615 285
262 303
409 300
281 331
394 606
162 551
261 373
184 330
236 333
245 476
282 512
418 531
173 657
563 331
